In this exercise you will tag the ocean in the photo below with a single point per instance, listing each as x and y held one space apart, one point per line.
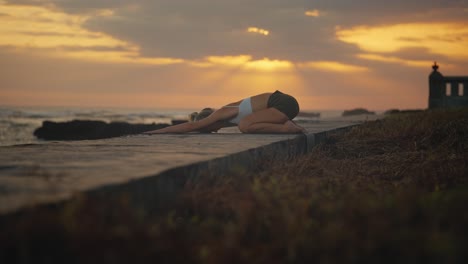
17 124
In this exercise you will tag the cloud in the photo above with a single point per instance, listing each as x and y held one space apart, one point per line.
371 8
35 27
313 13
193 30
447 39
38 27
70 6
196 29
40 30
393 59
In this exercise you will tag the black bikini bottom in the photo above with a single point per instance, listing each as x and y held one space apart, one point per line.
284 103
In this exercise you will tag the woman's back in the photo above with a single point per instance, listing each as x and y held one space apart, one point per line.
260 101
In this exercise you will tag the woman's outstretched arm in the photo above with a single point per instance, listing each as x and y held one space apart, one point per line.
201 125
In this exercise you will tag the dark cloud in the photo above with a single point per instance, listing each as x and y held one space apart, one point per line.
416 54
72 6
83 48
394 7
197 29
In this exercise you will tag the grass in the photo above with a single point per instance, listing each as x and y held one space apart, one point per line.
388 191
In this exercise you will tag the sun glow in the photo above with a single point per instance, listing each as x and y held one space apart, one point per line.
258 31
266 64
246 83
229 60
448 39
244 62
332 66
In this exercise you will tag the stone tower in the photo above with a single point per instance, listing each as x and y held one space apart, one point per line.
436 88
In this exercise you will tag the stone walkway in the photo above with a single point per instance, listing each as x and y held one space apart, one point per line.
54 171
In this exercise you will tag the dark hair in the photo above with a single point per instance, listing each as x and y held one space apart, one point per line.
205 112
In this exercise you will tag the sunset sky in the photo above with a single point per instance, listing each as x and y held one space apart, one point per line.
330 54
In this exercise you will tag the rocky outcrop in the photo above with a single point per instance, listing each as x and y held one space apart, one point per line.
309 114
357 111
405 111
89 129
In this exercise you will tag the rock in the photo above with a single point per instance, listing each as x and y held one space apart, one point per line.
412 111
89 129
357 111
392 111
178 121
405 111
309 114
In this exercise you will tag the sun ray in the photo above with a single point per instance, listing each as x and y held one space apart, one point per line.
332 66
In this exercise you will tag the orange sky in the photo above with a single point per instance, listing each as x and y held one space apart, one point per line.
175 54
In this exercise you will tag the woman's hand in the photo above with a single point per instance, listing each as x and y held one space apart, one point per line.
151 132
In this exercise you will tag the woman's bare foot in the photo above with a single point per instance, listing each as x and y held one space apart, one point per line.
294 128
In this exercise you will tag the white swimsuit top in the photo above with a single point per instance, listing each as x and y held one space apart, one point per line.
245 109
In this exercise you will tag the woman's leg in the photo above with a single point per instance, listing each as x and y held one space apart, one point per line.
268 120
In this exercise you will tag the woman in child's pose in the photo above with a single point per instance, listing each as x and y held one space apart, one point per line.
262 113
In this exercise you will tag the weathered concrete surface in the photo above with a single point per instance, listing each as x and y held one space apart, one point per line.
152 168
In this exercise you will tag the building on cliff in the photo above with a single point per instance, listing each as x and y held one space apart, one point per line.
447 91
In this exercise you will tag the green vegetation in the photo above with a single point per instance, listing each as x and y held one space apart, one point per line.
388 191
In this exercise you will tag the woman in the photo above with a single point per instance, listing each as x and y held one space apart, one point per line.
262 113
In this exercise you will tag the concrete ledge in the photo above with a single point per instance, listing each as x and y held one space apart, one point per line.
150 171
159 192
